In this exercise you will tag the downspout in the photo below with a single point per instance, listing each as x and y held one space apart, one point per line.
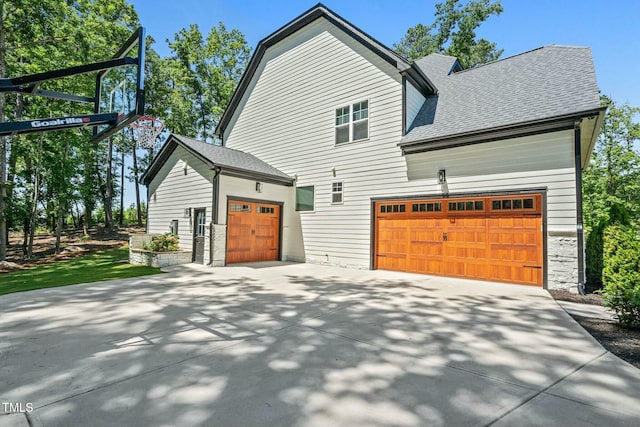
147 224
214 206
579 225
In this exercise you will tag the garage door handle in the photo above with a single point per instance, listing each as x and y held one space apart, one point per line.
532 266
444 237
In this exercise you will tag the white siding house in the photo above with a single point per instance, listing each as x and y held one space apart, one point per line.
183 182
349 128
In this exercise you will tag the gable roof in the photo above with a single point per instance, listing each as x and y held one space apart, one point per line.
410 70
229 161
541 85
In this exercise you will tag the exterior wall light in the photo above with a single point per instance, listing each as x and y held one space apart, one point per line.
258 187
442 176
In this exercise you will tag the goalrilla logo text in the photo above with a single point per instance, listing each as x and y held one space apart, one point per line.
59 122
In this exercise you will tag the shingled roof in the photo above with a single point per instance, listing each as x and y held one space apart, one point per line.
545 83
230 161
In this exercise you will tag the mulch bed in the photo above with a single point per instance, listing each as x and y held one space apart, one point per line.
623 342
591 298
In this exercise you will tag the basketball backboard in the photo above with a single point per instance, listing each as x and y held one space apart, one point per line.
120 89
118 100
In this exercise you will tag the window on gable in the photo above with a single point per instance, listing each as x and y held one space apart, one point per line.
360 120
304 198
342 125
336 192
352 122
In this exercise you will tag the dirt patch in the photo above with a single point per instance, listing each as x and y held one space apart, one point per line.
73 242
623 342
9 266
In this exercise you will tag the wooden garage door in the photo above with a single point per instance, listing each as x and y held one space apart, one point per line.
253 231
489 238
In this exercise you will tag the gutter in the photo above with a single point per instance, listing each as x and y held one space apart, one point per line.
579 224
564 122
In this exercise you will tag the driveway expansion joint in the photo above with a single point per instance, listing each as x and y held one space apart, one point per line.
543 391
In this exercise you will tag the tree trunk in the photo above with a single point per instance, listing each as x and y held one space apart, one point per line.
62 198
203 113
59 224
3 143
26 221
121 216
13 157
34 199
108 191
137 184
87 217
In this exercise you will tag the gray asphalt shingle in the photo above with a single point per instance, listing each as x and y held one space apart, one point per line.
540 84
228 157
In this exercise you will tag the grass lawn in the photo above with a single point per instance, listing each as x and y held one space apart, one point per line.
95 267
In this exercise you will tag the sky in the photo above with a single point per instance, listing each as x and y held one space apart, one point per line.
610 28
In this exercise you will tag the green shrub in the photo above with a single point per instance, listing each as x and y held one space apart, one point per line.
621 274
594 250
163 243
594 246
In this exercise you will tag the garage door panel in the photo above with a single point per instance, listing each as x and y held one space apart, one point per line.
253 231
393 262
492 238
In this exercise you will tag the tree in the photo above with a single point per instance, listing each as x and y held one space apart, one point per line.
613 176
454 33
15 39
52 169
204 73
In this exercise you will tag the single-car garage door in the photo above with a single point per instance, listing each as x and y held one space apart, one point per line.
489 238
253 231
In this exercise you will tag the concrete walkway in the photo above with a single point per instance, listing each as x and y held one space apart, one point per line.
587 310
304 345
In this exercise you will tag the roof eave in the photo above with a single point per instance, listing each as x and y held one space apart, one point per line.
258 176
594 137
417 77
174 141
167 149
552 124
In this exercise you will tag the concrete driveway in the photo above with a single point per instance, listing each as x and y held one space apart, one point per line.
304 345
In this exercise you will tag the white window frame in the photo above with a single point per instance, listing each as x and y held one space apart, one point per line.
335 191
351 121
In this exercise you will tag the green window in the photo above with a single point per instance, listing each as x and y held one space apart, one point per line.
304 198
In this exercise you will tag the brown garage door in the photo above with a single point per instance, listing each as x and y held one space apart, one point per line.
253 231
489 238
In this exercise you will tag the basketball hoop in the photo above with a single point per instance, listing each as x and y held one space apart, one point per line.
146 130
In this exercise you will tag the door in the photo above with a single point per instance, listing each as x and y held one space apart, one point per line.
253 231
198 235
496 238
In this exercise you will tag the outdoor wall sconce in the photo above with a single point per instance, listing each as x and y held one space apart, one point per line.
184 167
333 171
442 176
258 187
187 213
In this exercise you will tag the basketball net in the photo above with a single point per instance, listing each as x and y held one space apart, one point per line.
146 130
